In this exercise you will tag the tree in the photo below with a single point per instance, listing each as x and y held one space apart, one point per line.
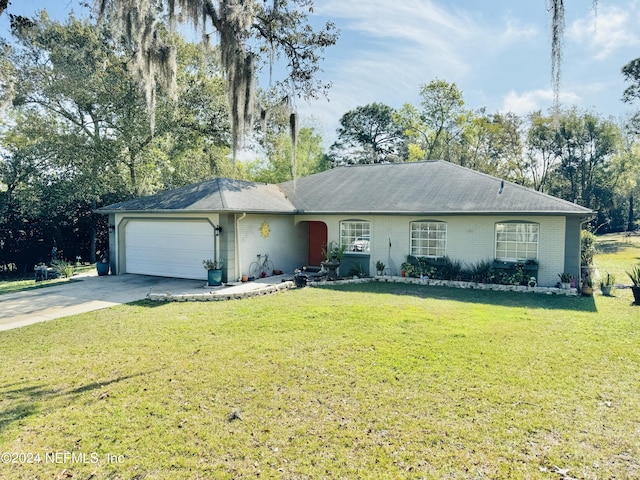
438 123
93 136
369 134
491 143
250 33
279 166
540 152
623 175
631 73
584 143
49 197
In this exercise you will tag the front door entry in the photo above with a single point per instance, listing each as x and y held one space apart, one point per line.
317 242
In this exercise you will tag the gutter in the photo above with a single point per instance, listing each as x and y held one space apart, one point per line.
106 211
547 213
237 245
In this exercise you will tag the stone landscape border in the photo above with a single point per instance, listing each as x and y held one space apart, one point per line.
230 293
223 294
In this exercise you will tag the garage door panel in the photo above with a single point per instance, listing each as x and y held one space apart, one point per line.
169 248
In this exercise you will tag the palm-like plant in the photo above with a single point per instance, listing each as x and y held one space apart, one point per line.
634 275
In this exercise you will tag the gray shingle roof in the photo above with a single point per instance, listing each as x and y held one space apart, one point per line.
217 195
432 187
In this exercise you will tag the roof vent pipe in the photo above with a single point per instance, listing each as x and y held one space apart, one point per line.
501 187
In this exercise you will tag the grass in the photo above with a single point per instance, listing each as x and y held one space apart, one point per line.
363 381
13 285
617 254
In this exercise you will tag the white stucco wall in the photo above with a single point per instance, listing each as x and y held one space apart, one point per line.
286 243
469 239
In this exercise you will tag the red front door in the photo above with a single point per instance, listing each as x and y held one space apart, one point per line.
317 242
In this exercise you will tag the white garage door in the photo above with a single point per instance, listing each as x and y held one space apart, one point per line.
169 248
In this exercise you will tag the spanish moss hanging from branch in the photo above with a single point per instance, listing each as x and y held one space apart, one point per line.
293 132
556 8
250 33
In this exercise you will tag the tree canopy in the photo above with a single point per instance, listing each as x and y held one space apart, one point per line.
369 134
79 131
249 33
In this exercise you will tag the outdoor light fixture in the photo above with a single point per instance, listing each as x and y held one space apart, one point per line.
218 230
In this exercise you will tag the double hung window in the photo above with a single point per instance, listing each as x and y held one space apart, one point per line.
517 241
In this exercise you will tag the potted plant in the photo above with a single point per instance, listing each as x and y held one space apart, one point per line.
102 266
214 272
587 251
587 286
565 280
606 284
634 275
407 269
333 256
380 267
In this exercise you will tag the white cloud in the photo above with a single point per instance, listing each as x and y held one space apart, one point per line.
611 29
387 49
515 32
541 99
404 32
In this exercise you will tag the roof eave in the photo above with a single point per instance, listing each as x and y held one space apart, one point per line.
448 212
105 211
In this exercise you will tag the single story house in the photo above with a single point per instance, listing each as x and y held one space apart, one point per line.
381 212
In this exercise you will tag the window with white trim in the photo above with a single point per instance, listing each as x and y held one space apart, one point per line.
517 241
428 239
355 236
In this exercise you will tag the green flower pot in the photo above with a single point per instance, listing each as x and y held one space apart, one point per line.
214 278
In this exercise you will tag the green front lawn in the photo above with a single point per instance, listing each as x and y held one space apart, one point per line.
363 381
617 254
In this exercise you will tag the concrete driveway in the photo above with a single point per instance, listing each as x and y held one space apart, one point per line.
84 294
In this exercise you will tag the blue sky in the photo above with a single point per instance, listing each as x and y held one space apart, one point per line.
497 52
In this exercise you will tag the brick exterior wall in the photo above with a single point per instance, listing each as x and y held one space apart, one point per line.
469 239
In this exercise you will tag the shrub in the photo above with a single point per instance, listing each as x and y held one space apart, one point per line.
587 247
482 272
608 281
63 269
450 269
634 275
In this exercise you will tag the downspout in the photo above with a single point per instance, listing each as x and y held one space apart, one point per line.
237 246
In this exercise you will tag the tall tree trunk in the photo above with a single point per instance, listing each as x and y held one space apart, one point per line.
631 224
93 235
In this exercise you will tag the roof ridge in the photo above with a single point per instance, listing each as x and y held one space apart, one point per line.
223 200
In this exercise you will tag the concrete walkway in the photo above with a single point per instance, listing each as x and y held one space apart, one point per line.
91 292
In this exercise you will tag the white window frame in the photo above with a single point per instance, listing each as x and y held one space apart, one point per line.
436 238
517 241
350 230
